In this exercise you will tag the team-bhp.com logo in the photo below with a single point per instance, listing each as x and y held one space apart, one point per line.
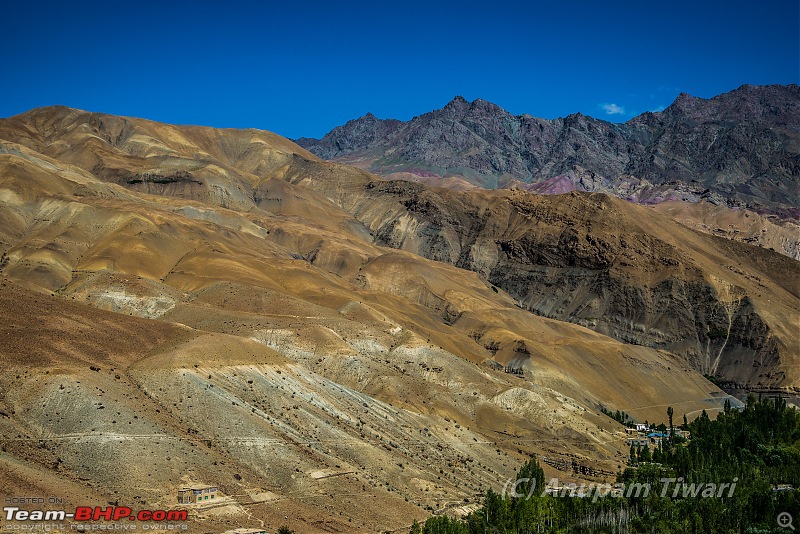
88 513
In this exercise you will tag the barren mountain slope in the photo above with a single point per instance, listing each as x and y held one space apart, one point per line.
728 308
620 269
768 232
279 353
222 167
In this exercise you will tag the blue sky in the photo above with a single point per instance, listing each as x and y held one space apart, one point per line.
299 69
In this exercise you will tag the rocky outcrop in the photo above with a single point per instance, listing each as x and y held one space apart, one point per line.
605 264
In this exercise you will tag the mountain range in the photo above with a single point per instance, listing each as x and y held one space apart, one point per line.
739 149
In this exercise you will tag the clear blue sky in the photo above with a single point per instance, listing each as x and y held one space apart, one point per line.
301 68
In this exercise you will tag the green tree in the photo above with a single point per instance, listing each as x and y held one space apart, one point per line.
534 474
758 448
644 454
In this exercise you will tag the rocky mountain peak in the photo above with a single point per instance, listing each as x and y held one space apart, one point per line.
458 102
683 103
485 105
457 107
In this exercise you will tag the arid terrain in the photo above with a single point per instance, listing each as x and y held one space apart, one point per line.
739 149
338 352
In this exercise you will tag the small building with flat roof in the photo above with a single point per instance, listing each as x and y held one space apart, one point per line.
197 493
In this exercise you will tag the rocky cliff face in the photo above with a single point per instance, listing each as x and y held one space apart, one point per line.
602 263
739 149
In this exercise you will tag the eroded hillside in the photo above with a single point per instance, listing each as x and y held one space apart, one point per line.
590 260
620 269
197 305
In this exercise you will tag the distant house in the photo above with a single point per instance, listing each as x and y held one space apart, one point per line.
641 427
196 493
638 442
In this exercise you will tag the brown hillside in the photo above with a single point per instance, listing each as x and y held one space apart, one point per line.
185 304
